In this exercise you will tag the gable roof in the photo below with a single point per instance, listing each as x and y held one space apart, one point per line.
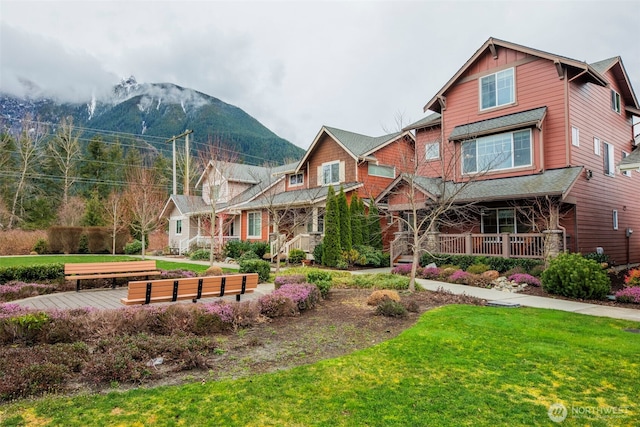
186 205
554 182
631 162
491 43
243 173
356 145
304 196
499 124
622 78
433 119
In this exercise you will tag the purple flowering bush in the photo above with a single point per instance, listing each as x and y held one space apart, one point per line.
525 278
176 274
631 294
404 269
291 279
12 291
459 276
289 300
431 273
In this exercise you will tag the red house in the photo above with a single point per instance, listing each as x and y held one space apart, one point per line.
529 142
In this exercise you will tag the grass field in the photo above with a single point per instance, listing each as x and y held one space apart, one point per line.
48 259
460 365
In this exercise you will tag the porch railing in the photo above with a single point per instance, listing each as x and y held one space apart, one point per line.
522 245
300 241
201 241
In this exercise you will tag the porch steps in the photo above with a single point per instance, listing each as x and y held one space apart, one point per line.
403 259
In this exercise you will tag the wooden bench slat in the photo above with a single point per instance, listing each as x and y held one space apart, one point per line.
109 270
162 290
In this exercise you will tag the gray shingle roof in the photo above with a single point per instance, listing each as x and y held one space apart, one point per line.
430 120
510 121
189 205
604 65
631 162
290 198
360 145
553 182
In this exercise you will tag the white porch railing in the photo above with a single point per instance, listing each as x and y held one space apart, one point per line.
202 242
300 241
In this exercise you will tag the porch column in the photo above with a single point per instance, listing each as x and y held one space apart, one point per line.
314 220
220 234
468 244
552 244
432 245
506 247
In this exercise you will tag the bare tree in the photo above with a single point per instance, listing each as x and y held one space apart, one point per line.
114 214
70 212
64 149
221 163
144 198
29 152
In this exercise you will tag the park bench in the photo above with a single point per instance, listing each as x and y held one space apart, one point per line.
109 270
190 288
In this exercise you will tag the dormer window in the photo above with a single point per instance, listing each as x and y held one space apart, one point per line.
331 173
497 89
296 179
615 101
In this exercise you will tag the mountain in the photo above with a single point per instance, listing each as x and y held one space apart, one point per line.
160 110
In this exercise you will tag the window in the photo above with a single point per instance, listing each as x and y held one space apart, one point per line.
625 173
331 173
254 226
615 101
296 179
494 152
596 146
575 136
506 220
608 158
384 171
615 219
432 150
497 89
179 226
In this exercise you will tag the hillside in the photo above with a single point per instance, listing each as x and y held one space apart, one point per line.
161 110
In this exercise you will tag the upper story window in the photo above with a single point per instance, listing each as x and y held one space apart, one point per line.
495 152
383 171
331 173
497 89
607 151
596 146
615 101
179 226
432 150
625 173
575 136
296 179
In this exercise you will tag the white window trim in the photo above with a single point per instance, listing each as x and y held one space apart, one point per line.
596 145
610 170
254 236
616 102
297 184
625 173
389 167
575 136
615 219
513 101
329 164
179 220
426 150
500 169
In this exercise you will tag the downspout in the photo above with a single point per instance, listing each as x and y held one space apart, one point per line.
567 143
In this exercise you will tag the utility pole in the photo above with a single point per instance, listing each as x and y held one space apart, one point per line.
173 140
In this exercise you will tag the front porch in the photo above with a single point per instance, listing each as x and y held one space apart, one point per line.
507 245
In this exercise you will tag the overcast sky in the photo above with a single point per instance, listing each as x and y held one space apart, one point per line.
296 66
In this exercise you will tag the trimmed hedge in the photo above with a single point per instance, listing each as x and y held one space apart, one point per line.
32 273
263 268
494 263
573 276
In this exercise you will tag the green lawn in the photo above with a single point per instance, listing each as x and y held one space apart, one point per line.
49 259
460 365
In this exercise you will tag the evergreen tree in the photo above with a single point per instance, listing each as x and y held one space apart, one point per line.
375 231
345 221
331 250
93 212
356 209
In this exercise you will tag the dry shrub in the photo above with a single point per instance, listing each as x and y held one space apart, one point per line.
214 270
378 296
19 242
158 240
477 280
274 305
491 274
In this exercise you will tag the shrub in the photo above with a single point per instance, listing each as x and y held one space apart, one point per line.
83 244
491 274
445 272
32 273
133 248
26 327
352 257
402 269
176 274
391 308
631 294
317 253
465 261
200 254
525 278
459 276
304 295
599 258
41 246
380 281
247 256
371 257
322 279
276 305
411 306
378 296
256 266
477 268
214 270
574 276
18 290
235 248
296 256
285 280
632 278
431 273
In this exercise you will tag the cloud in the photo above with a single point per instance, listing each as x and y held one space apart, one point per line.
34 65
